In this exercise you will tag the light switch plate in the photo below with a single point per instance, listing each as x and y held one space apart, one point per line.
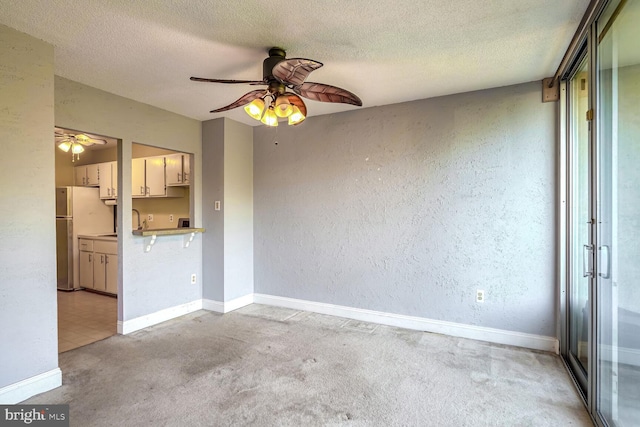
217 205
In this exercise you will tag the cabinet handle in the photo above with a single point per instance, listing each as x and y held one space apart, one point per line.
106 259
179 180
148 191
101 259
108 191
113 192
185 177
89 257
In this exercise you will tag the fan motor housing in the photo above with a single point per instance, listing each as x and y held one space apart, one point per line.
276 55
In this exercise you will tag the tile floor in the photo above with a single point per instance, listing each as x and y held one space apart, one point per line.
85 317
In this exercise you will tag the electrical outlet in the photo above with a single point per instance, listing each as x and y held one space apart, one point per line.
150 217
479 295
171 218
193 279
217 205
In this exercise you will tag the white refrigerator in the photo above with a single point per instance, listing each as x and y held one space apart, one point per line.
79 210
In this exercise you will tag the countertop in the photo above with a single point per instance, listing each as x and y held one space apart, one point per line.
99 236
167 231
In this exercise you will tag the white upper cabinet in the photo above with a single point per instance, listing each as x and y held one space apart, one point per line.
137 178
177 169
154 176
87 175
149 178
186 169
108 180
174 169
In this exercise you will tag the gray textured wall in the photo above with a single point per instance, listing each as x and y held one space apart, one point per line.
238 210
27 178
161 278
228 246
213 221
410 208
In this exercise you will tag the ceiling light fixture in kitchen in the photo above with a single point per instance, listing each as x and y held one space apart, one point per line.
75 142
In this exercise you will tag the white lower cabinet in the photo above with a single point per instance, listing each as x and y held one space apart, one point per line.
86 269
99 265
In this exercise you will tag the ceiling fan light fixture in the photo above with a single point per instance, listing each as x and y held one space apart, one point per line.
65 145
296 116
283 107
270 118
255 109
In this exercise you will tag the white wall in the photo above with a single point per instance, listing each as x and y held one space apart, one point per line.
160 279
410 208
28 313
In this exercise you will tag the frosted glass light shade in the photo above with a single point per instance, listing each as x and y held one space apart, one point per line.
77 148
65 146
255 108
283 108
270 118
296 116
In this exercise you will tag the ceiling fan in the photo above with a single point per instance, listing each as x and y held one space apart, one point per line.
75 142
277 101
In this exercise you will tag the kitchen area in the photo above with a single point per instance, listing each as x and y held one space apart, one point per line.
86 224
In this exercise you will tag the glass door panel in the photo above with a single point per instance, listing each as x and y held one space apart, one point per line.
579 225
618 209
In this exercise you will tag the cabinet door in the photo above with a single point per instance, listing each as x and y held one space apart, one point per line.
137 178
93 175
81 175
154 176
186 169
86 270
105 180
111 270
114 180
99 272
174 169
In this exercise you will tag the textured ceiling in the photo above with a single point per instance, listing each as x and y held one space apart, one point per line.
385 51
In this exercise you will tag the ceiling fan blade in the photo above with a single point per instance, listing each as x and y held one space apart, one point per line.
251 82
243 100
327 93
87 140
294 71
298 102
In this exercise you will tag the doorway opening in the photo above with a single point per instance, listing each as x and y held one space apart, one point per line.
86 173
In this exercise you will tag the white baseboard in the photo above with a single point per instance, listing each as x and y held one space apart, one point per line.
22 390
129 326
226 307
237 303
498 336
213 305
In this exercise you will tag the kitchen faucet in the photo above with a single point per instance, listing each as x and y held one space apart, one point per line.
136 211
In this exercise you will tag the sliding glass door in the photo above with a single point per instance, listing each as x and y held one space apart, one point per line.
601 107
618 209
580 268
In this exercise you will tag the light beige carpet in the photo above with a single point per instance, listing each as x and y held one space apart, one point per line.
267 366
